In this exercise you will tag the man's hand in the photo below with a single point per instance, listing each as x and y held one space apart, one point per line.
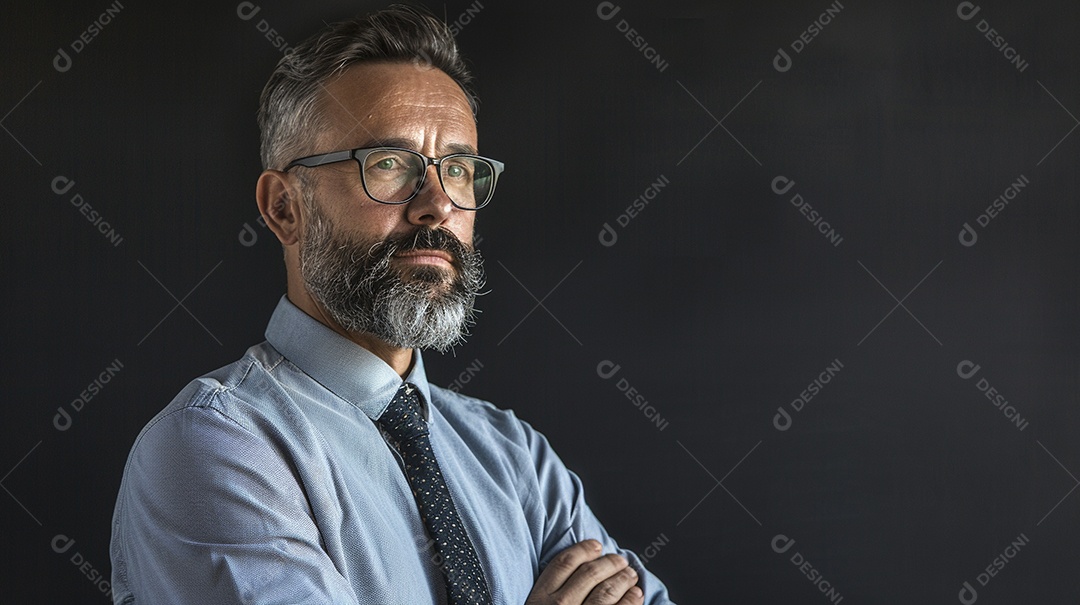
580 576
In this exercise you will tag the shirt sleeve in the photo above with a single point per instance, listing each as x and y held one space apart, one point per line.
568 519
211 513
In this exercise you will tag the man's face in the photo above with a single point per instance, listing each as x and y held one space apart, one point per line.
404 273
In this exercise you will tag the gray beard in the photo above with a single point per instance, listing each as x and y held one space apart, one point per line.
422 307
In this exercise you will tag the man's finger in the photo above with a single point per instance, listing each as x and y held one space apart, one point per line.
563 566
602 580
634 596
616 589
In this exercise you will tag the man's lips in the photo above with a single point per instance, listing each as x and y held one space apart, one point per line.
426 257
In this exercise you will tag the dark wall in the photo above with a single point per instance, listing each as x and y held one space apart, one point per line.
826 217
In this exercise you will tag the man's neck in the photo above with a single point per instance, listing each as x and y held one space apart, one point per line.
396 357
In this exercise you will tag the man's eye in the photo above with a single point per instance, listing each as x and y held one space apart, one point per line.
458 171
385 164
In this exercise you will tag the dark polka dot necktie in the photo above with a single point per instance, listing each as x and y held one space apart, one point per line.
454 555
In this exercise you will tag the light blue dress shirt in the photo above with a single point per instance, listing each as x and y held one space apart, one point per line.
268 481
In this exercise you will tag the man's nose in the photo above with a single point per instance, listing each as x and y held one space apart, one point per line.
431 206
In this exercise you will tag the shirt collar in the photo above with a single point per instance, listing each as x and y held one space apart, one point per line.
346 369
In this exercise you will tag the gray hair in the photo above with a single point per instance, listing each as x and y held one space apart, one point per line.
289 118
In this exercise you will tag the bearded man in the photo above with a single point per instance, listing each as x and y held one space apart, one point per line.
322 467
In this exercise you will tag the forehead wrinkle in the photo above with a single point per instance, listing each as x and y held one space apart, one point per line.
418 106
397 85
397 101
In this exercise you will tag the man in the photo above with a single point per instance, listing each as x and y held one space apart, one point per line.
322 467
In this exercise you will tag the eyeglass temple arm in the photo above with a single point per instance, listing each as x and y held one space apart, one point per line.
323 158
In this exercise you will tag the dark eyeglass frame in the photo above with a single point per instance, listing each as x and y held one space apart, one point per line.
360 154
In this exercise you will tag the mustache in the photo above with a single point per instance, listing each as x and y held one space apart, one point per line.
425 238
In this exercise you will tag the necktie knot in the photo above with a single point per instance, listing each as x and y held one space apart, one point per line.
403 419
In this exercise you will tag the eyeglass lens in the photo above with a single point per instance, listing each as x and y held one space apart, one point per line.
393 175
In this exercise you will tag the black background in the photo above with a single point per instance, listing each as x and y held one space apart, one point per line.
719 301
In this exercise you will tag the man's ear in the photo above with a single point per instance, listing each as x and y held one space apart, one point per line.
279 204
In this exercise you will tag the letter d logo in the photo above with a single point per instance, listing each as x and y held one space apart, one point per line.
607 236
247 10
606 369
968 594
61 543
966 10
247 236
62 420
782 184
607 10
782 62
966 369
62 184
62 62
782 420
782 539
968 236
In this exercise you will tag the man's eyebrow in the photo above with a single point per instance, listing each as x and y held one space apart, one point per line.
391 142
409 144
459 148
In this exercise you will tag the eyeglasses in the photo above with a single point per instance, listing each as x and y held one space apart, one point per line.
392 175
